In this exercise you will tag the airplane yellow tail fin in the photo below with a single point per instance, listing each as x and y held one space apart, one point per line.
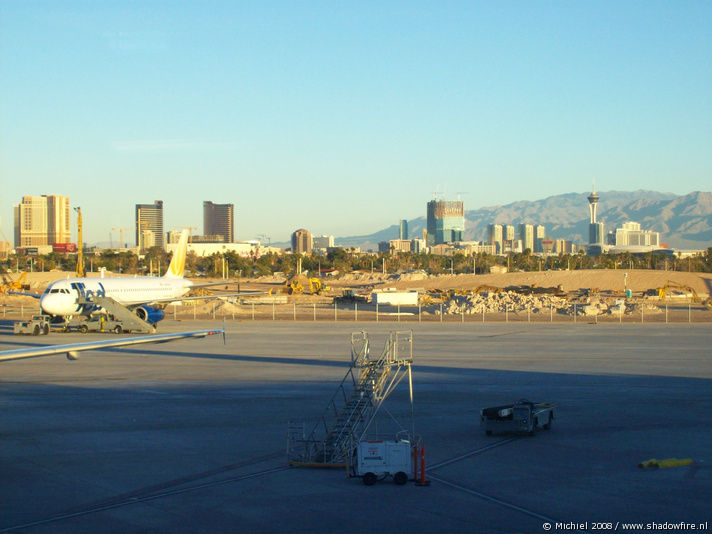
177 266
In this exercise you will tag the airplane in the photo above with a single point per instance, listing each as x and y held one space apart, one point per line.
72 350
68 298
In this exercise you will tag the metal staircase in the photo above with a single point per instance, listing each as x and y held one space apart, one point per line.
130 320
352 409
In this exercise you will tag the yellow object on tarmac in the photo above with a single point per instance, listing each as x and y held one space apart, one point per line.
663 464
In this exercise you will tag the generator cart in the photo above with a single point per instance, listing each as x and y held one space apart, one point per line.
378 459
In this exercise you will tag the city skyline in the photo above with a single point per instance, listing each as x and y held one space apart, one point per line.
344 118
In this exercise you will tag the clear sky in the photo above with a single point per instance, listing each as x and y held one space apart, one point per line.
344 117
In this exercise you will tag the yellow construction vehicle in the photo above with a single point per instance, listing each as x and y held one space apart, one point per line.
15 285
672 290
298 284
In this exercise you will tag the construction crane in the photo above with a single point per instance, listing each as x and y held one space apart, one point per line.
121 235
80 244
190 230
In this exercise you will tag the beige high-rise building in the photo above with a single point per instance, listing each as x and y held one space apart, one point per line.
43 220
526 235
495 236
149 217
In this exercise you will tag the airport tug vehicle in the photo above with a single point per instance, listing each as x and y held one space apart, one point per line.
522 416
37 325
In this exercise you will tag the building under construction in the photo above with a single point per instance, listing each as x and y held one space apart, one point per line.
446 221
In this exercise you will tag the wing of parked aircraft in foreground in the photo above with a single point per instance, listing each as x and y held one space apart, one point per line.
25 294
72 350
206 297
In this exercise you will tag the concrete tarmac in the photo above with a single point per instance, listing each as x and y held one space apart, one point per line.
190 436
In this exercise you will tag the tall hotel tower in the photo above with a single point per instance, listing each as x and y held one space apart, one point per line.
595 228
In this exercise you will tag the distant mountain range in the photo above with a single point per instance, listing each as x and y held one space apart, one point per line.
683 221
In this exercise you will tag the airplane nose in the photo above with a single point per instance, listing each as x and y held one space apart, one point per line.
48 305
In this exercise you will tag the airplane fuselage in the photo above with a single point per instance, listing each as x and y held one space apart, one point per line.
62 297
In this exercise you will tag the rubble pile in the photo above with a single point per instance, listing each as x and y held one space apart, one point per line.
500 302
509 301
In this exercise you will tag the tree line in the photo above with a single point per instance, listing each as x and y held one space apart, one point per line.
156 261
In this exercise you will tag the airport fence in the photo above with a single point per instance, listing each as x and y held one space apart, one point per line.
690 313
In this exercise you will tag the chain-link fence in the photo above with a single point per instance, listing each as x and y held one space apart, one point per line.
631 312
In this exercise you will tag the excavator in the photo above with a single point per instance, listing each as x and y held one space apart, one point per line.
673 289
15 285
300 283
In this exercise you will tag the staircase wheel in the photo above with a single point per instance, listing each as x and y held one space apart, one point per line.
36 331
117 329
45 329
83 329
369 479
400 478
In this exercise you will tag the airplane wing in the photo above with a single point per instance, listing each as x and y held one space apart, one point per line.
202 297
25 294
73 349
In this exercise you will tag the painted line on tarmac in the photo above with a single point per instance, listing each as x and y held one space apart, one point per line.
147 498
492 499
175 483
471 453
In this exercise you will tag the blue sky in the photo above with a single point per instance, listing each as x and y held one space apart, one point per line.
344 117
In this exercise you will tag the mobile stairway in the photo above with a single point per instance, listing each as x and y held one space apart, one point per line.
352 409
130 321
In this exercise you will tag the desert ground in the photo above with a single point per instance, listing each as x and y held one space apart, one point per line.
612 280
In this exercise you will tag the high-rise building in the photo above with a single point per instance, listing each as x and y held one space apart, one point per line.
219 219
495 237
302 242
509 232
526 235
403 229
595 229
632 235
446 221
323 242
149 217
44 220
399 245
539 235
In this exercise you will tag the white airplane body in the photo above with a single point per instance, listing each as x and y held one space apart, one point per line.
62 296
67 298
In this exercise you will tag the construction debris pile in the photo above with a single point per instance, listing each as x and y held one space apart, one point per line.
512 302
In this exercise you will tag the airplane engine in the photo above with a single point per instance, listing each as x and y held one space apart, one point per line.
150 314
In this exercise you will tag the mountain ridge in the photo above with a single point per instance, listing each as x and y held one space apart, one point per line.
684 221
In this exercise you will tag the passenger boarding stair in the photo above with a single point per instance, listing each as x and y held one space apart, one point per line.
131 321
355 404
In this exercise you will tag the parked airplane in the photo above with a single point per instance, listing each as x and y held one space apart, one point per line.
72 350
67 298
